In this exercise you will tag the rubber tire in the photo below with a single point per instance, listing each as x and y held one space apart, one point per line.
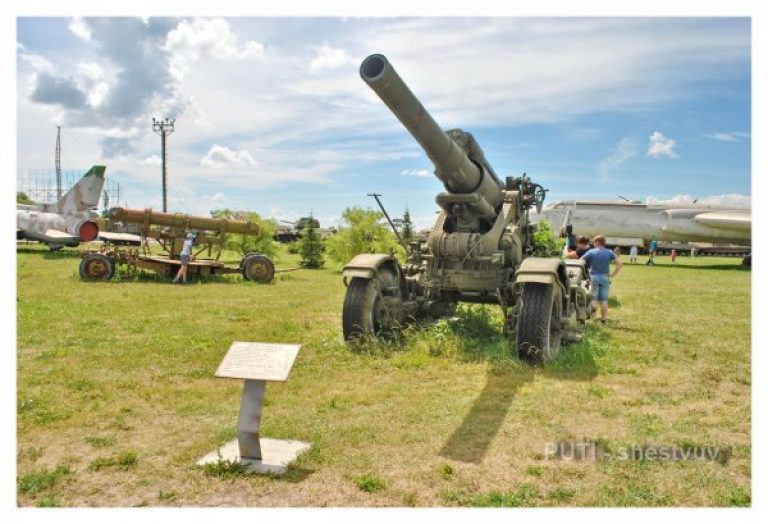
255 258
361 303
94 261
538 306
747 261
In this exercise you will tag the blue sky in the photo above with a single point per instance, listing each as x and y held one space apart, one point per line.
271 114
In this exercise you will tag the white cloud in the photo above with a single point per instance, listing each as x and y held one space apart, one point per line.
733 136
37 63
183 199
112 78
92 80
728 199
199 38
623 151
600 64
415 172
329 58
91 70
219 156
79 28
152 160
659 145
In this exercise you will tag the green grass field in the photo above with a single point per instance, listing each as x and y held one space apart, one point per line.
117 398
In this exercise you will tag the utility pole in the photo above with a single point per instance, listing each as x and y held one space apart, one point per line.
164 128
58 163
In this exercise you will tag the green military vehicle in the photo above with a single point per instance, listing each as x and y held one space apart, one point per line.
479 249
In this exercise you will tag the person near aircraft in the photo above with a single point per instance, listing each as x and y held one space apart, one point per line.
652 248
599 259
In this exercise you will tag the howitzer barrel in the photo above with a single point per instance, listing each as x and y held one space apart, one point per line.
180 220
453 167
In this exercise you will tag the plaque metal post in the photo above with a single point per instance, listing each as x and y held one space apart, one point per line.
250 419
257 364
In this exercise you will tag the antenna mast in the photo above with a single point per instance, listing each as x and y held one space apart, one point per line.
58 163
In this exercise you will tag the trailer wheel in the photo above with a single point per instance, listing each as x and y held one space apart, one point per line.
538 323
367 312
257 268
96 266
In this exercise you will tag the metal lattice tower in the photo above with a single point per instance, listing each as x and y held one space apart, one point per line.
58 162
164 128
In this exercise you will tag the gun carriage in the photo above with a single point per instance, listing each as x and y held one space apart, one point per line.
168 231
479 249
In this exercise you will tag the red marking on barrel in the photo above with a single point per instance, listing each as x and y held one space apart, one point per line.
88 231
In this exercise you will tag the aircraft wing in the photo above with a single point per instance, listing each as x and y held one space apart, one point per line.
52 237
725 220
120 238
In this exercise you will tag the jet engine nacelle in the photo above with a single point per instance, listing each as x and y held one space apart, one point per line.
86 230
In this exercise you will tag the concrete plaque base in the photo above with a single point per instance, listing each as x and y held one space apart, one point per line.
275 455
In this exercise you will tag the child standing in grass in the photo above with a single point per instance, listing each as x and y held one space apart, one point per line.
186 252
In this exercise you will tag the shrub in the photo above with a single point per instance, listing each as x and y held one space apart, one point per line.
361 232
263 242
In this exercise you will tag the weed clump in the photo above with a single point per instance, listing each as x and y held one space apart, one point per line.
41 479
224 468
124 460
370 483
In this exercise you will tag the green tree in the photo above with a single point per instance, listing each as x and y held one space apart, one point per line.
361 232
263 242
22 198
546 243
311 246
407 231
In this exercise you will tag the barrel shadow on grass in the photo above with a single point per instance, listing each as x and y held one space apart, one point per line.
471 440
506 375
475 335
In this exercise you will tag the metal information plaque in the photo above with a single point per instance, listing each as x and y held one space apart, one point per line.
258 361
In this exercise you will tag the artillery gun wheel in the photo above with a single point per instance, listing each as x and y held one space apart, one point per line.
96 266
538 323
257 268
368 313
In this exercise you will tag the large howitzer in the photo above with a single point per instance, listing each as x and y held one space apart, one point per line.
479 250
169 230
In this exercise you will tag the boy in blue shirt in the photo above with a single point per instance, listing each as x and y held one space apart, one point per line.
599 259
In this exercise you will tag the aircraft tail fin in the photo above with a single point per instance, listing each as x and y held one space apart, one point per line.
85 194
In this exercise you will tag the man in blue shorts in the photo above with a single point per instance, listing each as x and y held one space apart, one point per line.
599 260
652 249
